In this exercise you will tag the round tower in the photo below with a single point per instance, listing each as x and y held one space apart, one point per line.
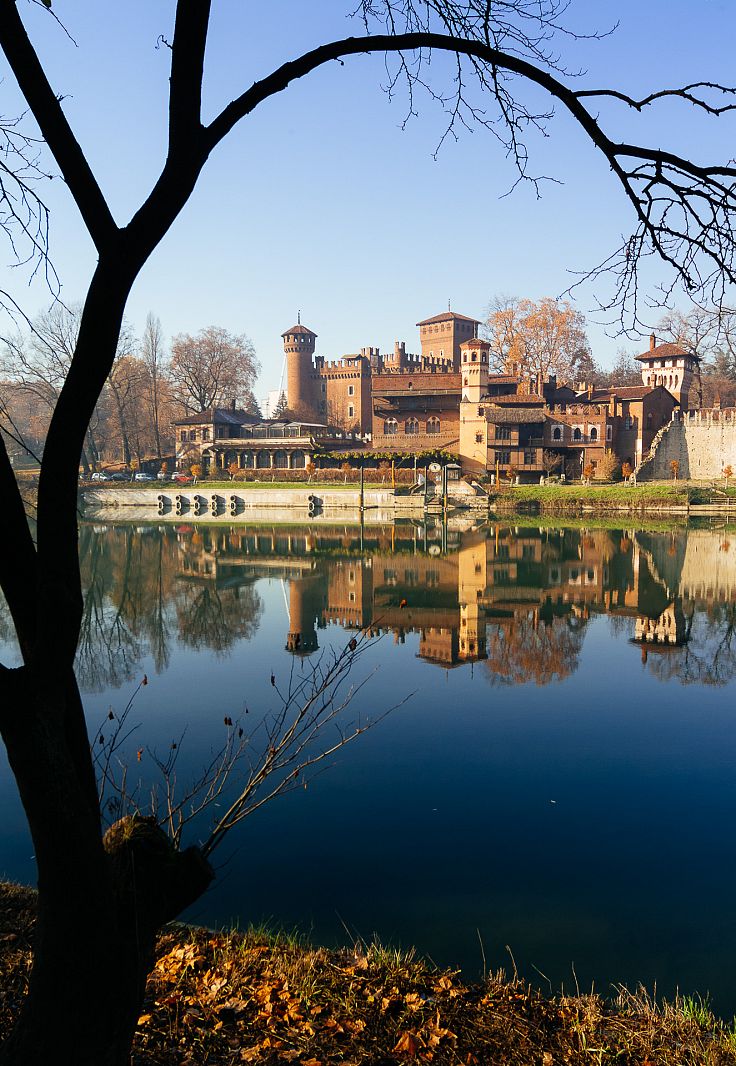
299 350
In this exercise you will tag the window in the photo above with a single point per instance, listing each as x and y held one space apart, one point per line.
351 410
351 390
390 426
530 456
557 433
324 386
442 352
411 425
504 458
478 438
205 434
628 422
503 433
609 432
593 433
577 434
433 425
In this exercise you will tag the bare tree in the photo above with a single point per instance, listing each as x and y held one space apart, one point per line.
153 356
213 369
104 898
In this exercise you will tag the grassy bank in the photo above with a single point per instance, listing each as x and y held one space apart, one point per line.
252 997
572 499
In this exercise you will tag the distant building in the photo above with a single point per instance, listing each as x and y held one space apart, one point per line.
220 437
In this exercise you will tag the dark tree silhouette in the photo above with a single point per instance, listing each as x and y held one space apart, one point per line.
102 900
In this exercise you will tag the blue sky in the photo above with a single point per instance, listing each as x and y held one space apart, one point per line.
321 202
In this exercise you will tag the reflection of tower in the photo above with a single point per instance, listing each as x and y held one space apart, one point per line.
472 567
669 629
349 594
300 383
305 605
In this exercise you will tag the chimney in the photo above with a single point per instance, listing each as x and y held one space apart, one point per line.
652 341
590 392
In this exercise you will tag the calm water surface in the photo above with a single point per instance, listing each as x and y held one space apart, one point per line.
562 781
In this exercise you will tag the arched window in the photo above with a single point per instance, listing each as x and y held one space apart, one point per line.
577 433
433 425
593 433
246 459
390 426
411 425
298 460
280 461
263 460
557 433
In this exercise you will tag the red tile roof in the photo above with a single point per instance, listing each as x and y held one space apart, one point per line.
447 316
665 351
299 328
475 342
529 399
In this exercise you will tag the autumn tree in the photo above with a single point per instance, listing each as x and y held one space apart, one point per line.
103 897
214 369
543 337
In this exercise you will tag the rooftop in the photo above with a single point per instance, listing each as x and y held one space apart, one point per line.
299 328
229 415
665 351
447 316
514 415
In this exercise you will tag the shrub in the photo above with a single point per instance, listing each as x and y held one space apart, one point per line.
608 468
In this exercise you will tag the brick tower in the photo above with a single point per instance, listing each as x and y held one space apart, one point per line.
299 351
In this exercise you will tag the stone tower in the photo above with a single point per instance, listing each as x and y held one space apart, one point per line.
300 380
676 369
474 369
473 422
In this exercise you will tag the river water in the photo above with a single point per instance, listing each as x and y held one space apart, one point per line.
559 789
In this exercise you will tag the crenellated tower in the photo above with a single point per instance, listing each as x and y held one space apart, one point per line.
299 344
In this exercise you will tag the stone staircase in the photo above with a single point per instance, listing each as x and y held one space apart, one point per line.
644 471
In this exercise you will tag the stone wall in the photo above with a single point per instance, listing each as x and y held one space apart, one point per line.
703 443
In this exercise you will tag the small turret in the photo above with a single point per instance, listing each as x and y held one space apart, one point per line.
474 369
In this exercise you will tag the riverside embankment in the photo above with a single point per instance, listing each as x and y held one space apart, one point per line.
234 503
317 502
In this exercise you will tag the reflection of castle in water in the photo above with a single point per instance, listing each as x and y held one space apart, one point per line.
491 593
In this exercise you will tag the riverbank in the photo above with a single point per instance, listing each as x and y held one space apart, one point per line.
675 498
217 998
234 502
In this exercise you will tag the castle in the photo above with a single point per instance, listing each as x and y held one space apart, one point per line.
445 400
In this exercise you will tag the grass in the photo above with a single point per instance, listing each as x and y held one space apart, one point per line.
264 997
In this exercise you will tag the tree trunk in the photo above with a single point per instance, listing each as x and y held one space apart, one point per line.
100 904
